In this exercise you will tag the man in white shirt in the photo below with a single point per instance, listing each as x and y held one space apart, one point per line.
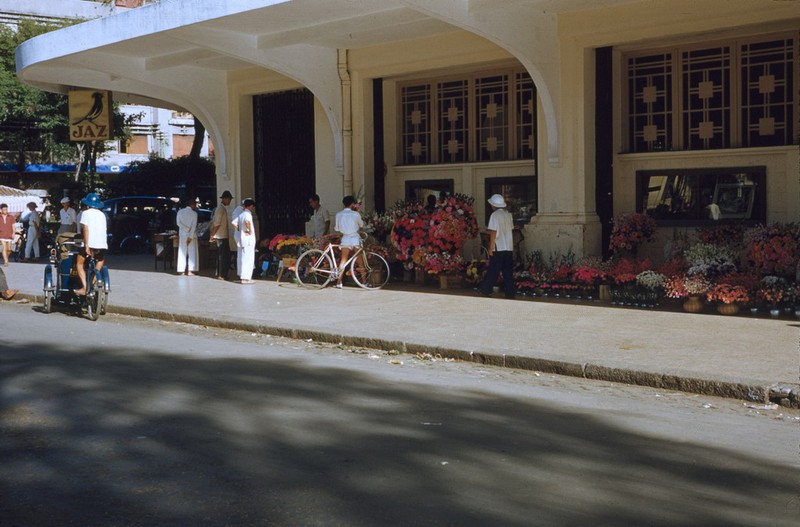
186 221
34 226
320 219
501 249
237 235
349 223
95 242
68 217
247 240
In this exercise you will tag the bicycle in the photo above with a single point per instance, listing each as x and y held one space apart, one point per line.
315 268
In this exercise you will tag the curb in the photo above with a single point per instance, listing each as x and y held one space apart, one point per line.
787 395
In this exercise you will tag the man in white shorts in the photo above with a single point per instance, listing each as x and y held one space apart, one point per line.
349 223
95 244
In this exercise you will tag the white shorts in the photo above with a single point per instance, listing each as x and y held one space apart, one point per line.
350 241
6 240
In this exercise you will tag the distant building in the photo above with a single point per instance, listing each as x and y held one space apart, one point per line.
161 132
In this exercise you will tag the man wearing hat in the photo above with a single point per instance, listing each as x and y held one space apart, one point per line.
501 248
69 218
93 228
220 233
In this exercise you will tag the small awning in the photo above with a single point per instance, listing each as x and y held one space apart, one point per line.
17 200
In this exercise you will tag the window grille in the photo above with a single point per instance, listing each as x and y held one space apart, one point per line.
740 93
481 117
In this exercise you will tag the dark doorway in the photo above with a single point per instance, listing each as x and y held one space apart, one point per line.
284 160
379 168
603 133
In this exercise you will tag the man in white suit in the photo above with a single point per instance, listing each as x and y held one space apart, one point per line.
187 238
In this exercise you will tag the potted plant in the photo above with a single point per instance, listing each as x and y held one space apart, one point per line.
690 288
729 297
631 231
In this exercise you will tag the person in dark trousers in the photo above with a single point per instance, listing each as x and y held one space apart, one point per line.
220 232
501 249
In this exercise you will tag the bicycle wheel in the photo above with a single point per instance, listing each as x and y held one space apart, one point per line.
370 270
314 269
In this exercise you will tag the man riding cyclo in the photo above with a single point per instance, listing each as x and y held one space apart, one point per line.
95 244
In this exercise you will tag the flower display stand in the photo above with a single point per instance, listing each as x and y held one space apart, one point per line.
288 263
419 276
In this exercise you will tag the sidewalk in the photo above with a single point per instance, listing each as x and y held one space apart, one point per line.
746 357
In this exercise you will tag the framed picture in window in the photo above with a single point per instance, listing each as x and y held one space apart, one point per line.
735 200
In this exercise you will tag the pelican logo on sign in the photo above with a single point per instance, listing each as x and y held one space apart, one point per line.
89 115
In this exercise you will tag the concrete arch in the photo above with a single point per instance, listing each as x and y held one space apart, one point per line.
537 48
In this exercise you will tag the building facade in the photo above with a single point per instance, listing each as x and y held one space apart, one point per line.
576 110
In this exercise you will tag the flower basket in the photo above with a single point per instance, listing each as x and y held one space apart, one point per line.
289 245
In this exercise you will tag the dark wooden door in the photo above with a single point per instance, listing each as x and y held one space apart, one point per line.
284 160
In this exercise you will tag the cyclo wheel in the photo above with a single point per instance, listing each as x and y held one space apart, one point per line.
102 303
374 271
92 297
47 306
314 269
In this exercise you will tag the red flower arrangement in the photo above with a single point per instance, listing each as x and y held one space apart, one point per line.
682 286
728 234
588 276
625 270
630 231
774 250
728 294
444 263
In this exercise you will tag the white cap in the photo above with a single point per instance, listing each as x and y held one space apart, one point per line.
65 200
497 201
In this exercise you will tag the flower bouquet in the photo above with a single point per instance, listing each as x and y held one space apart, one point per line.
773 290
410 230
682 286
474 271
774 250
710 259
728 294
444 263
289 244
630 231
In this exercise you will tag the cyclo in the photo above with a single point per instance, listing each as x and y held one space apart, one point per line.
61 279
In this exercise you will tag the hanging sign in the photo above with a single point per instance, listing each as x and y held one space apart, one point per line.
89 115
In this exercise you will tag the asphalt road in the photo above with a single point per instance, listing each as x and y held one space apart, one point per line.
125 422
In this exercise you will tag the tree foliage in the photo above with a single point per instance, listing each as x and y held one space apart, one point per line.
33 123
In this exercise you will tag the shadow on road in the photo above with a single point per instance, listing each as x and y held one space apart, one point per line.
122 438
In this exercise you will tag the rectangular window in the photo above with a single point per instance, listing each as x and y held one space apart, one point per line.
481 117
706 108
650 102
740 93
491 109
767 85
452 103
699 196
137 145
525 137
520 194
416 136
